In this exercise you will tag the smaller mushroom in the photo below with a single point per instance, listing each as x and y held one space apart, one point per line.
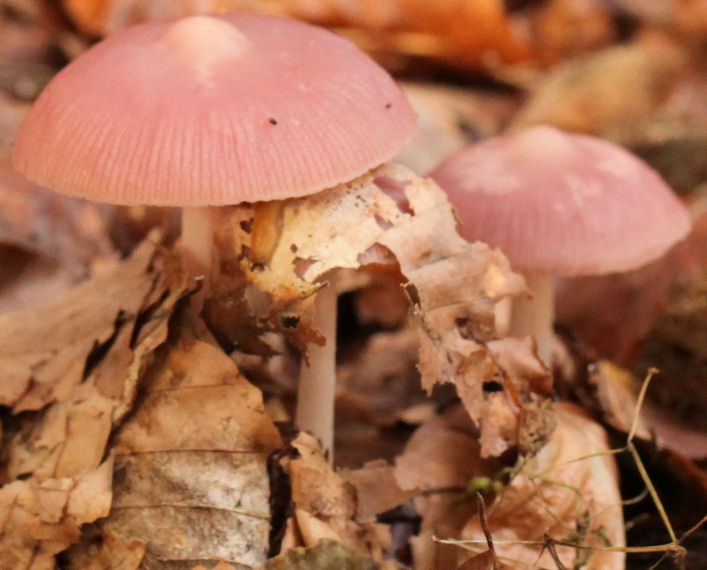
560 204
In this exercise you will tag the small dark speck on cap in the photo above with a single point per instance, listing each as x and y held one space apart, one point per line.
388 105
272 121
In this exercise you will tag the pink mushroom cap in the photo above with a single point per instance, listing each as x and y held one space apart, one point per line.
563 204
213 110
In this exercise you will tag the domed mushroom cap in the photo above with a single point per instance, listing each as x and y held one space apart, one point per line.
213 110
562 203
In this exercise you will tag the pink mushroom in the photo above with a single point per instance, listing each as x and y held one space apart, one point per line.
560 204
214 110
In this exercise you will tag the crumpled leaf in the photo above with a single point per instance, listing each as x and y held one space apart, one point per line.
453 284
44 349
555 495
326 505
190 477
70 435
42 518
64 443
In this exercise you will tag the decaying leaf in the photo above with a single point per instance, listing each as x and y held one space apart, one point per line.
326 505
453 284
65 442
42 518
44 349
190 476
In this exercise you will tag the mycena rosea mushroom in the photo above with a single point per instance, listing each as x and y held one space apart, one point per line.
560 204
215 110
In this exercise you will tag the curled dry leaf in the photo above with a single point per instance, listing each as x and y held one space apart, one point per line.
569 492
42 518
326 505
44 350
453 284
190 476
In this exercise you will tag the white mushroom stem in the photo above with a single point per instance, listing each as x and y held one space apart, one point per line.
198 245
317 383
535 316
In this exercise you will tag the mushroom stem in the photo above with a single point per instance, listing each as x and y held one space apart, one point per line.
535 316
317 383
198 244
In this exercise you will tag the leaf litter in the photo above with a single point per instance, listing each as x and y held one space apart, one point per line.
77 363
453 286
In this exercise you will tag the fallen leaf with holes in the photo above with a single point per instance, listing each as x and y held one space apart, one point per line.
453 284
569 492
190 462
325 505
42 518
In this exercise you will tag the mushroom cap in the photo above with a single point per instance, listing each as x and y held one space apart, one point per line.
564 204
213 110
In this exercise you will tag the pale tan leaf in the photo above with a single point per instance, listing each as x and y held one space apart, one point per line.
40 519
70 436
43 350
191 477
326 504
568 491
453 284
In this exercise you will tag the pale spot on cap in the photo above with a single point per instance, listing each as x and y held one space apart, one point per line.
580 205
202 42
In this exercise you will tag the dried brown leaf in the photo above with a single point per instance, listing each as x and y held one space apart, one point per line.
42 518
326 505
376 489
453 284
44 350
100 550
191 473
70 435
439 461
